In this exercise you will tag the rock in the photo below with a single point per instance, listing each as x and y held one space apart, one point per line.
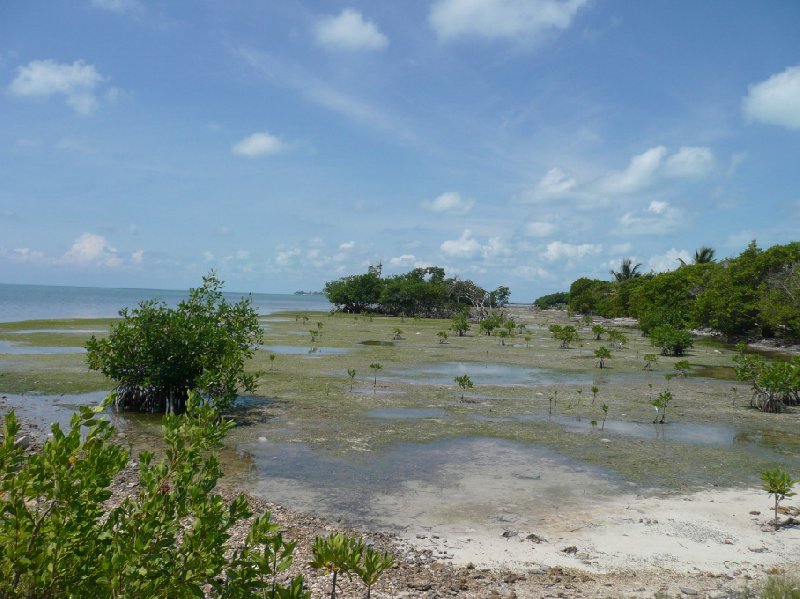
755 513
571 549
24 442
688 591
534 538
419 584
509 534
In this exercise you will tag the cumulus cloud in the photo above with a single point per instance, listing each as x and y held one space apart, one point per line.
669 261
258 144
775 101
137 257
640 173
24 255
528 20
450 202
349 31
347 245
77 82
690 162
658 218
465 246
287 257
404 260
91 249
571 252
555 183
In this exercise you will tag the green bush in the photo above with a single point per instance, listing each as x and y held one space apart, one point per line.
157 354
672 341
166 540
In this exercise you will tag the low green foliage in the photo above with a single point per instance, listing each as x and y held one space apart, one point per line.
682 367
157 354
602 354
672 341
597 331
566 334
442 335
779 483
649 360
617 339
166 540
341 554
351 372
661 403
464 383
552 300
376 366
460 323
775 384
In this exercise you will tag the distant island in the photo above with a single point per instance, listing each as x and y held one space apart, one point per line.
308 293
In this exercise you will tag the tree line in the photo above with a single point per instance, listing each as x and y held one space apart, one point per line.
755 294
421 292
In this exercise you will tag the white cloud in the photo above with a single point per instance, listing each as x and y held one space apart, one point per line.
137 257
621 248
558 250
118 6
539 228
24 255
449 203
44 78
242 254
669 261
775 101
286 257
555 183
404 260
258 144
465 246
526 20
91 249
689 162
658 218
495 247
349 31
640 173
347 245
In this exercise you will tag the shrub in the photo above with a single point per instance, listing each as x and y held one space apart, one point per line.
672 341
157 354
167 540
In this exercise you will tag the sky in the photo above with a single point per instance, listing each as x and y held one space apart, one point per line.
287 143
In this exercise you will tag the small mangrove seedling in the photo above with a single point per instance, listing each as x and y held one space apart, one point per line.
660 403
319 325
442 335
314 335
509 326
464 382
351 372
597 331
604 407
528 340
375 368
372 566
682 367
595 391
305 319
502 335
271 361
649 360
602 353
617 339
336 554
580 394
777 482
396 333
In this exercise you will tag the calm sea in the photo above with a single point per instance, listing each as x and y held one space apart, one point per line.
35 302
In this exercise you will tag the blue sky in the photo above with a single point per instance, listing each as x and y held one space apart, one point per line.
285 143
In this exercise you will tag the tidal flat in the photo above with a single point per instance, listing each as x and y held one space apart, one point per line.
316 438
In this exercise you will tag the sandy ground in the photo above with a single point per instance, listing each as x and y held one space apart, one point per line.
718 532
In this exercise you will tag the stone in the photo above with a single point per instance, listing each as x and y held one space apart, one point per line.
688 591
24 442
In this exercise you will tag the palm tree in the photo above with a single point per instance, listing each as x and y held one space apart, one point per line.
626 271
704 255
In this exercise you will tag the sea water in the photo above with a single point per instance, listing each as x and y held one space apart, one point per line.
42 302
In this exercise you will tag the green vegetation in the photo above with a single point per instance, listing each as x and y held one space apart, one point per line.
421 292
464 383
552 300
649 360
351 372
566 334
775 384
376 366
602 354
55 540
157 355
342 554
778 483
671 341
661 403
754 294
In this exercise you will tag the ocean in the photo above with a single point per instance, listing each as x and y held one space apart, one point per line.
44 302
